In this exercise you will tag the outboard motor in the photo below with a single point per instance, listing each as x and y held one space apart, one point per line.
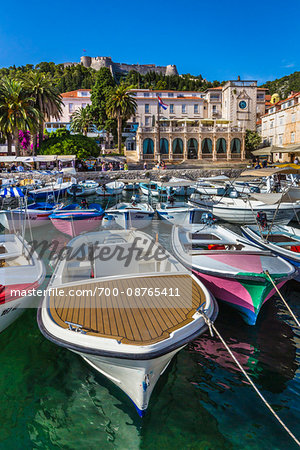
50 198
171 199
261 219
74 189
84 204
135 199
207 218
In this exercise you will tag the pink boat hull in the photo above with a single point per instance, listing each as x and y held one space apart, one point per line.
233 292
75 227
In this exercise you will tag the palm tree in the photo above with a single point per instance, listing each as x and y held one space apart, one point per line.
17 111
46 96
121 106
82 120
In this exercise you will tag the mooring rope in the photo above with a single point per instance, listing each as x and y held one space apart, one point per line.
284 301
212 328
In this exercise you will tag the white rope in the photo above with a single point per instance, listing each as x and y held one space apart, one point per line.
211 327
284 301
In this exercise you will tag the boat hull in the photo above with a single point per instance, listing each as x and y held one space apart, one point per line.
247 215
131 219
245 295
12 310
137 378
84 192
56 193
17 219
184 217
75 227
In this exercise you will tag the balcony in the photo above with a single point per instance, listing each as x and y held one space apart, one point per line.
148 156
191 129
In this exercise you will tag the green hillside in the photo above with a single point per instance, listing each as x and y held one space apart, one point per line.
283 86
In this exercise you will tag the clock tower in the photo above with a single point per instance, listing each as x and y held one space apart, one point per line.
239 99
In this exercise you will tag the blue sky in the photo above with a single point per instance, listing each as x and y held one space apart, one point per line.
256 40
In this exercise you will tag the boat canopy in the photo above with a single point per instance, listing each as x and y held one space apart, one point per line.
135 180
175 183
260 173
273 198
13 192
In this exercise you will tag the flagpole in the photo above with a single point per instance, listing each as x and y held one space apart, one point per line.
158 130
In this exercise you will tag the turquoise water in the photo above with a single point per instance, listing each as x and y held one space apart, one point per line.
50 398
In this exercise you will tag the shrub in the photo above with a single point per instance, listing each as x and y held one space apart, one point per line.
69 144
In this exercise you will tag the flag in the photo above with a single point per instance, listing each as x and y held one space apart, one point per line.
161 103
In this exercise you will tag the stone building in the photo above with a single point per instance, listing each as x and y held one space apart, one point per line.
280 127
123 68
204 125
178 140
72 101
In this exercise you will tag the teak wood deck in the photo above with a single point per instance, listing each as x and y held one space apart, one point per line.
136 320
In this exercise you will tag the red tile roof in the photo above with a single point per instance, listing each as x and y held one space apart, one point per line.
74 94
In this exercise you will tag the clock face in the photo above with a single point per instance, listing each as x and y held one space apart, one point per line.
243 104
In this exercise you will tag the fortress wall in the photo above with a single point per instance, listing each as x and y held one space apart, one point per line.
106 61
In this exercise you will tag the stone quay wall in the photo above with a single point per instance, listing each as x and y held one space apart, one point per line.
156 175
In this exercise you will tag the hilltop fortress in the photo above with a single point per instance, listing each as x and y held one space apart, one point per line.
122 68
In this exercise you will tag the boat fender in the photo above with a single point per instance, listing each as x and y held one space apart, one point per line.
261 218
84 204
215 247
295 248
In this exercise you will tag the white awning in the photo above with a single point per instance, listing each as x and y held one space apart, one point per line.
7 159
65 157
24 159
45 158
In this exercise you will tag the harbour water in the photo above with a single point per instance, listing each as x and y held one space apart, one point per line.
50 398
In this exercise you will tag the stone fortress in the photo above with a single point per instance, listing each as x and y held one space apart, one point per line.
122 68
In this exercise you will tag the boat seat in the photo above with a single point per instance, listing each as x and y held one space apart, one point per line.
78 270
11 250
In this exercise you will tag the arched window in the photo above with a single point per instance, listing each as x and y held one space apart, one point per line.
235 146
164 146
192 148
148 147
177 146
207 145
221 145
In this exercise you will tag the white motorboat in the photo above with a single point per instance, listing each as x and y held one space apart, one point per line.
153 188
83 188
232 268
244 210
129 215
112 188
182 186
33 215
53 190
125 305
131 186
282 240
179 213
21 271
211 185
